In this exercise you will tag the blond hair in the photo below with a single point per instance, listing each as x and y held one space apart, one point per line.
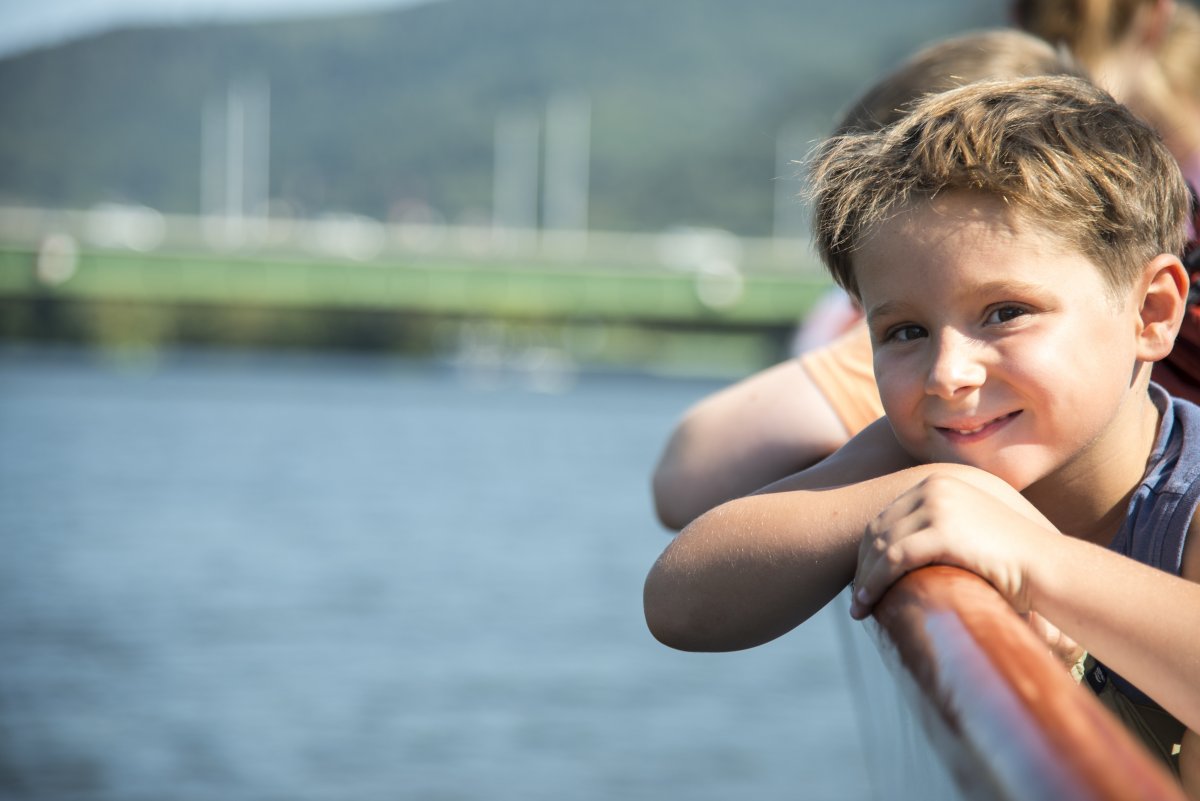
952 62
1060 151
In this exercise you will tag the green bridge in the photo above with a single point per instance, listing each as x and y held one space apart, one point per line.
493 289
56 286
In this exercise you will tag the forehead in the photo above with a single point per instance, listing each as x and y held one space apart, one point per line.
960 238
967 217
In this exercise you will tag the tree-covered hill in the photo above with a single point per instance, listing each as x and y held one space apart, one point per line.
371 112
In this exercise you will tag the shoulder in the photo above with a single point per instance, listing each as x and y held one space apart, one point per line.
1189 414
1160 517
843 372
1180 420
1185 418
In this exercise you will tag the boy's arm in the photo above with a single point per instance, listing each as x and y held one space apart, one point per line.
743 437
1140 621
756 567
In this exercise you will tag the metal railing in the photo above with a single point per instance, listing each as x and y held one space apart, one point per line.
1002 714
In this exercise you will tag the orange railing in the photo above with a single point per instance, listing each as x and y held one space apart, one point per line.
1003 715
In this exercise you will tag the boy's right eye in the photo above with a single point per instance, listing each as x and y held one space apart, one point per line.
905 333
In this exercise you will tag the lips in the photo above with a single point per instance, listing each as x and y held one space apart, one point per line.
971 430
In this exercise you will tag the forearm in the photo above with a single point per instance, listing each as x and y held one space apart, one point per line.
757 567
1139 621
759 430
698 472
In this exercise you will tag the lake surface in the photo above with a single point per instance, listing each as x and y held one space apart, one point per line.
267 576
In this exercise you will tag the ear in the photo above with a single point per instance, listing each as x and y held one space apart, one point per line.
1163 302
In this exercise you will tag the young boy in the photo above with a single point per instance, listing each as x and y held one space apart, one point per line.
788 417
1014 246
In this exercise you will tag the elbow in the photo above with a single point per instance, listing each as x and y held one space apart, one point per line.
684 629
693 598
669 500
683 493
675 617
679 489
671 626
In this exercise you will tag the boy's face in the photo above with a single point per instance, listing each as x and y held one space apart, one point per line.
997 347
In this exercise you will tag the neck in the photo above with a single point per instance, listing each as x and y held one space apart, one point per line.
1088 497
1079 510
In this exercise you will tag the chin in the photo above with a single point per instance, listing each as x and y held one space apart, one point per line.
1017 476
1020 477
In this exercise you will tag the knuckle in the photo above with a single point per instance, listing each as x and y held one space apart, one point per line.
941 482
930 480
936 505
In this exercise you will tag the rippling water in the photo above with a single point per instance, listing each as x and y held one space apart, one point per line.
288 577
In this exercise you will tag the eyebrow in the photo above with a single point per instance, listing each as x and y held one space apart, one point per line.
1001 287
888 307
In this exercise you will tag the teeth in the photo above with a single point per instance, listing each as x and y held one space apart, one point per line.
970 430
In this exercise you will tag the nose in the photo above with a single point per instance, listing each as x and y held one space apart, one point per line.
956 366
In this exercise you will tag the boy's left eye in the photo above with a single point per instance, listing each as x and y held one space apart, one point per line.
1003 314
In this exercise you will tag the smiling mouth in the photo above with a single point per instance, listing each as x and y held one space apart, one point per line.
979 431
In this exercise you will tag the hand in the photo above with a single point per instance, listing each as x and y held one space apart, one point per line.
970 520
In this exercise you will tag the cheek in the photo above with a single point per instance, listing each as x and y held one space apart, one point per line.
1032 363
1069 365
900 383
1093 350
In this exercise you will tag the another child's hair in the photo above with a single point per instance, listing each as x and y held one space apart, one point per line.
1088 28
1174 108
1058 150
1179 54
1146 52
966 58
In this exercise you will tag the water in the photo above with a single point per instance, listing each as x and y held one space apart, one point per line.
289 577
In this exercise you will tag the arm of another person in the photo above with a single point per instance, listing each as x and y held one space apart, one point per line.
770 425
1140 621
756 567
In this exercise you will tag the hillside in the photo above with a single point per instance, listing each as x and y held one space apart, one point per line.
375 111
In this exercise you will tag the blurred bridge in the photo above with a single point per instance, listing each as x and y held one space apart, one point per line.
695 301
129 254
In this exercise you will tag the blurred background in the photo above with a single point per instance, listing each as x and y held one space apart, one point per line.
337 344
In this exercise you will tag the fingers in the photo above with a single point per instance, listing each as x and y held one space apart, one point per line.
907 534
886 561
891 546
943 520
